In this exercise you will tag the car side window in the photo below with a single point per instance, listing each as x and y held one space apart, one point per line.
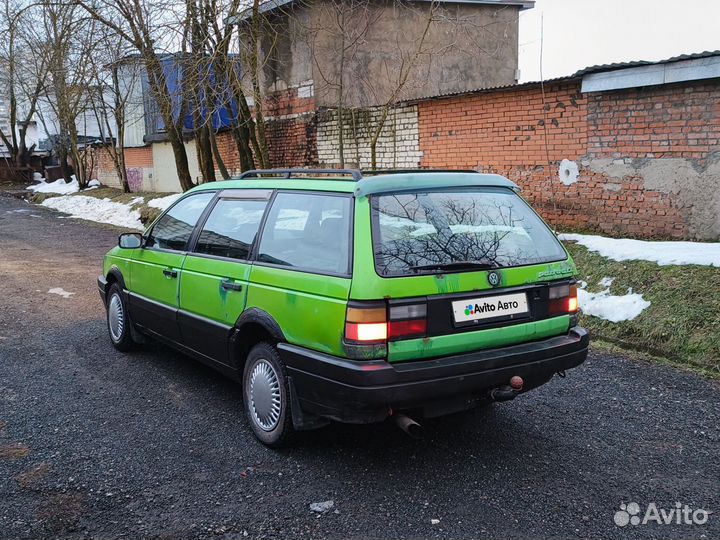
310 231
231 228
174 228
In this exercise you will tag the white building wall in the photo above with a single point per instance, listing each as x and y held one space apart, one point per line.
165 178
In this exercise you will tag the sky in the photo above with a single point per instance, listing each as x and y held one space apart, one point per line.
581 33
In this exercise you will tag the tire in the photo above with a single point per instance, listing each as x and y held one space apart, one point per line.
266 396
118 321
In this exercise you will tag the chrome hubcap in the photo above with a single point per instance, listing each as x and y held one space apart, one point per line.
265 395
116 317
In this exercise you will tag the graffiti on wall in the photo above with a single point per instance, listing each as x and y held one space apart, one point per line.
135 179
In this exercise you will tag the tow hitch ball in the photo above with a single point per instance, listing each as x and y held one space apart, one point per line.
507 392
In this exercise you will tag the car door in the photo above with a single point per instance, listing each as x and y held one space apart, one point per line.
156 266
214 276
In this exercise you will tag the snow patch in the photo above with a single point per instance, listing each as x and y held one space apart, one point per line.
610 307
163 203
662 253
99 210
94 183
58 186
61 292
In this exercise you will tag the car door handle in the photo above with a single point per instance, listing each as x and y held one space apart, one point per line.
231 285
169 272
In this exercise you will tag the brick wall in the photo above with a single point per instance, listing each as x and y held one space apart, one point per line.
638 162
139 166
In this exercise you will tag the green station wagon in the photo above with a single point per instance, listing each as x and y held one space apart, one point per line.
333 295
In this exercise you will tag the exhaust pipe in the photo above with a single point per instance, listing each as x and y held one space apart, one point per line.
408 425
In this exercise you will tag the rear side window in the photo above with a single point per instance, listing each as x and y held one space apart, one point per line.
310 231
436 231
231 228
173 229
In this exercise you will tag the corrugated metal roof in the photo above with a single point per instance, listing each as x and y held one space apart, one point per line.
577 75
636 63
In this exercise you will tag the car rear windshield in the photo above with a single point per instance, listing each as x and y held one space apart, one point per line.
441 231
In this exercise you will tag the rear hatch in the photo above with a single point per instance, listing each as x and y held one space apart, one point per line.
459 269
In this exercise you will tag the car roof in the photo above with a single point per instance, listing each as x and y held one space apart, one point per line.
367 185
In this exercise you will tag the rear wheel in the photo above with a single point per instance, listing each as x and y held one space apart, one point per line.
118 321
266 396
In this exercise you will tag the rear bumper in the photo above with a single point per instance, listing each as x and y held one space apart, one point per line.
367 391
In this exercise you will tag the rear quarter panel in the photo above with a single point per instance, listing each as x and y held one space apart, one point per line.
310 308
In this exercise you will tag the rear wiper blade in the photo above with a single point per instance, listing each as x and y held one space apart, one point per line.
456 265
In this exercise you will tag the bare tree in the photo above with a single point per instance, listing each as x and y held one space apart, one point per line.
71 40
23 72
144 24
118 79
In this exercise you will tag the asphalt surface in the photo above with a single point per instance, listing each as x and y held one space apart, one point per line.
95 443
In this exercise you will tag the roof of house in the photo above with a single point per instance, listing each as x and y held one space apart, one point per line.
270 5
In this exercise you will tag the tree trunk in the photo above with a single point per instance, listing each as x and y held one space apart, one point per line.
240 134
218 158
205 154
161 93
181 160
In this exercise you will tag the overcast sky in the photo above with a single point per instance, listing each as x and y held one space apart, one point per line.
581 33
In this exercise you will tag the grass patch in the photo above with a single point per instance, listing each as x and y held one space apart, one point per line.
682 323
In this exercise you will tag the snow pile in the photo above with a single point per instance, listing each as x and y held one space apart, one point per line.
610 307
94 183
58 186
662 253
163 203
100 210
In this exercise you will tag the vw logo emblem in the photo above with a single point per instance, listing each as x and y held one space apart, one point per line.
493 278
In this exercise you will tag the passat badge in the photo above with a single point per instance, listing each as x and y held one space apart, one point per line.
493 278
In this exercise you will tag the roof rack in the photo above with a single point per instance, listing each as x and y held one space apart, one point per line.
293 173
375 172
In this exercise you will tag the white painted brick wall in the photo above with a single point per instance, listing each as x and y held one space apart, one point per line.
398 145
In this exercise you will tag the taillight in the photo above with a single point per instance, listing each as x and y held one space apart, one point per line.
366 324
407 321
563 300
370 325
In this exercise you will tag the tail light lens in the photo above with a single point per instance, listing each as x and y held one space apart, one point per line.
407 321
366 324
369 326
563 300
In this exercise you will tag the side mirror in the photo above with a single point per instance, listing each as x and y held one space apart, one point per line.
130 240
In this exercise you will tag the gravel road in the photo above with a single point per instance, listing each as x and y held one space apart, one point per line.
94 443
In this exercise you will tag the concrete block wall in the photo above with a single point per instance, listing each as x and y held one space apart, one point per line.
398 145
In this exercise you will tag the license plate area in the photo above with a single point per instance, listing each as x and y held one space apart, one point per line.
487 309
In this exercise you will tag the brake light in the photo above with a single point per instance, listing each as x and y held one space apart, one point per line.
370 324
404 329
563 300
